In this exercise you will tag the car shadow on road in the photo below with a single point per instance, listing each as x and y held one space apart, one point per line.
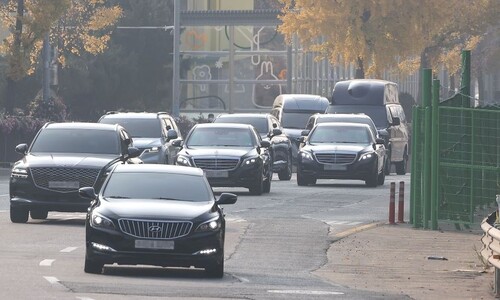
158 272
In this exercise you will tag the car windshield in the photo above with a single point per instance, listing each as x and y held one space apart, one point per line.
296 120
340 134
137 128
366 121
259 123
377 113
228 137
81 140
159 186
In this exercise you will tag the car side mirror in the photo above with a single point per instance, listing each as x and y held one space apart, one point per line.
171 134
380 141
396 121
87 193
133 152
305 132
227 198
276 131
301 139
177 143
22 148
265 144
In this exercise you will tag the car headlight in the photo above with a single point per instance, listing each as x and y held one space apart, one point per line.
183 161
100 221
249 161
367 156
213 224
19 172
306 156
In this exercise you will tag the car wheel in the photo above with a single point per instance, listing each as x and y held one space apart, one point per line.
301 180
39 214
18 215
267 183
92 266
286 174
388 164
257 188
401 166
372 179
381 178
216 268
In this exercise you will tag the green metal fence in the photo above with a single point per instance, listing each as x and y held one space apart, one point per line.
455 160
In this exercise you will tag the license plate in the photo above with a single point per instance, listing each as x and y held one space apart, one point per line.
64 184
216 174
154 244
335 167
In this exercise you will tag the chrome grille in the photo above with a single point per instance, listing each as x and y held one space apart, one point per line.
335 158
154 229
85 177
216 163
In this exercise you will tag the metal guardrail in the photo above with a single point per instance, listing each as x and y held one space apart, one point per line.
491 245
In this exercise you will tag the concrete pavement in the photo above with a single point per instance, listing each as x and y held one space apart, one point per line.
417 263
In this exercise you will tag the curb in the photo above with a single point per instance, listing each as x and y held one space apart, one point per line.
346 233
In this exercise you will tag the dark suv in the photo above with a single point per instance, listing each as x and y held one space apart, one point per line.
269 129
153 134
230 154
62 158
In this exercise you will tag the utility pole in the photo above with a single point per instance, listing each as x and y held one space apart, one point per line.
11 92
176 64
46 69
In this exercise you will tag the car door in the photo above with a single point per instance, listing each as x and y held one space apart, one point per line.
170 149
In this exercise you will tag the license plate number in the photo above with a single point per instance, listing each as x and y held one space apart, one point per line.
335 167
216 174
154 244
64 184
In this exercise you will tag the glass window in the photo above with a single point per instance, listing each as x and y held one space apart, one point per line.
157 186
297 120
259 123
77 141
378 114
340 134
138 128
229 137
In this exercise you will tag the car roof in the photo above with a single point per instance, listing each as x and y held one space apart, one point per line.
81 125
157 168
244 115
133 115
343 116
224 125
342 124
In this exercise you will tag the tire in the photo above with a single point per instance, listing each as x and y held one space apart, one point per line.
401 166
387 166
301 180
18 215
286 174
372 180
267 183
381 178
257 188
216 268
92 266
39 214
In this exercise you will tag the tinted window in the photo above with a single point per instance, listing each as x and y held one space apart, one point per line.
297 120
377 113
77 141
138 128
235 137
353 119
259 123
156 186
340 134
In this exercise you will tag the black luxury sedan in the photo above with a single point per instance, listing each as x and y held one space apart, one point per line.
155 215
341 151
232 155
62 158
269 129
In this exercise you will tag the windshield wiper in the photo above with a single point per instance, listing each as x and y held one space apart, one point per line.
167 198
117 197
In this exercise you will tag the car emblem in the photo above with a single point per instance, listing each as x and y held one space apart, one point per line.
154 229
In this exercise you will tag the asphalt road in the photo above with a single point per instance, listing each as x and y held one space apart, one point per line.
273 244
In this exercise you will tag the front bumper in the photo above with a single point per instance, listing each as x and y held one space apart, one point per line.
242 176
186 252
361 170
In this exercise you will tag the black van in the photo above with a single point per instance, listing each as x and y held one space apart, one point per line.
379 100
293 112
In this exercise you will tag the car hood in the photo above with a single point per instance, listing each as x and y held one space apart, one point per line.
234 152
146 142
155 209
87 160
336 147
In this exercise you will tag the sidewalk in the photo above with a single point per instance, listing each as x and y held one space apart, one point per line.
395 259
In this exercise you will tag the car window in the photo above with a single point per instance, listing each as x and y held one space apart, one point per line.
259 123
77 141
340 134
221 137
297 120
138 128
159 186
378 114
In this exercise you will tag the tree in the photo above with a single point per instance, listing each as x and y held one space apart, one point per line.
385 34
75 26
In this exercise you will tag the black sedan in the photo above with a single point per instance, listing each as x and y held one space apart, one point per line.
232 155
144 214
341 151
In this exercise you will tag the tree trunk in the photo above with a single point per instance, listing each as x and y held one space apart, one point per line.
11 89
360 70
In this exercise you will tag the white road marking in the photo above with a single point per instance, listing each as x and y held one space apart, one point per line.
69 249
46 262
84 298
301 292
331 223
51 280
242 279
3 195
2 211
